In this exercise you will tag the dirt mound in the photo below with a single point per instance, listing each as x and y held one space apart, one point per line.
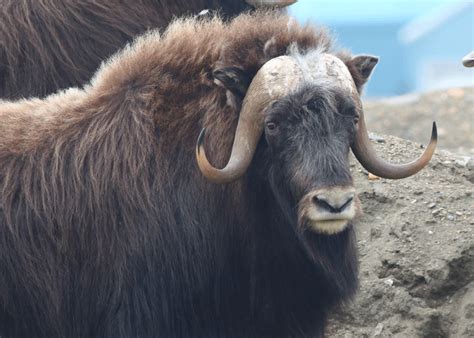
416 249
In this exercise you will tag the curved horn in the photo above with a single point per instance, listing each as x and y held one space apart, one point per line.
270 3
274 80
365 153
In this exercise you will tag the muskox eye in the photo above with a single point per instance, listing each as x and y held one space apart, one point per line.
356 119
271 126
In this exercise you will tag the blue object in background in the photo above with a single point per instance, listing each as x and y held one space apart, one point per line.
420 43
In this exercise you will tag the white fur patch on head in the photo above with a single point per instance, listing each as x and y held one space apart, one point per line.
203 12
326 69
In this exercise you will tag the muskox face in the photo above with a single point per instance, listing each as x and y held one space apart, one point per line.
307 108
308 136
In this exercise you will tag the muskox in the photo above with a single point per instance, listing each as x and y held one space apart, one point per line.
46 45
115 220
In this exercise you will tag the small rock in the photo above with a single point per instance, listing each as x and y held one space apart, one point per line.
375 233
373 177
469 311
459 213
470 163
376 138
388 282
394 232
430 232
431 205
378 330
462 161
436 211
450 217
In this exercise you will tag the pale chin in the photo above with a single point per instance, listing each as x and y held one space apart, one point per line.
328 227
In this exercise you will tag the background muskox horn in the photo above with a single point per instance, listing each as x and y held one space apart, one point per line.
468 60
275 79
270 3
365 153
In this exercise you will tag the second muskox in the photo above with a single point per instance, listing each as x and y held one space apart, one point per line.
47 45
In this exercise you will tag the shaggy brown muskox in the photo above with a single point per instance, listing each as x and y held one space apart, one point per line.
110 228
46 45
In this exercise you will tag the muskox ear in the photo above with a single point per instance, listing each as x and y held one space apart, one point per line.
234 79
361 67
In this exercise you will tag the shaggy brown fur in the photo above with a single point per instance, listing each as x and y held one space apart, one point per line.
107 227
46 45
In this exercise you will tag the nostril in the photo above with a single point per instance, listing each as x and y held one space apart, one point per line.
324 204
342 207
329 206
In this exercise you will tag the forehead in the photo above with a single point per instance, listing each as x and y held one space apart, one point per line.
312 100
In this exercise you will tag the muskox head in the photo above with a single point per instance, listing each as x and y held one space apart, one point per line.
305 112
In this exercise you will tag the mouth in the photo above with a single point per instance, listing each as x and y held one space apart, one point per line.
328 227
329 212
329 223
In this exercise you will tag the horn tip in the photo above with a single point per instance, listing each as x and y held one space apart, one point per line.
434 132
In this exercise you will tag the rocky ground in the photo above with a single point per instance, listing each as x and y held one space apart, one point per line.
416 237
